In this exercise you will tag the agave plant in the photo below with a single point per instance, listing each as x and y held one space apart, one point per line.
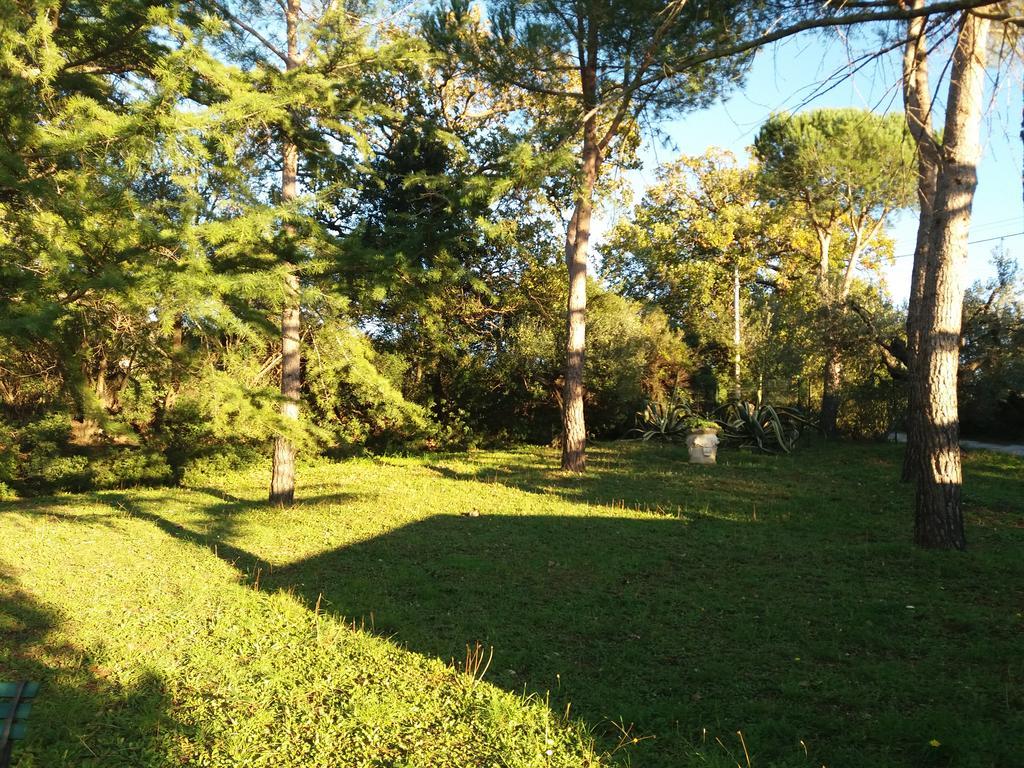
664 420
763 427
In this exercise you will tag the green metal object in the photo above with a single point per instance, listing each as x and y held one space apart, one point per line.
15 703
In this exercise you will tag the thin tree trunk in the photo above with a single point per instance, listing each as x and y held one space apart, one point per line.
574 428
835 310
282 480
917 103
737 391
938 520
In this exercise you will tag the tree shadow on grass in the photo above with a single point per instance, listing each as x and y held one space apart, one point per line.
645 623
81 716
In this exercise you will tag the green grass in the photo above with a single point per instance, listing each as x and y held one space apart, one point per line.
677 605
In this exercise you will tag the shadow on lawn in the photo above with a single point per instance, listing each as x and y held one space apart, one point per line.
80 714
658 625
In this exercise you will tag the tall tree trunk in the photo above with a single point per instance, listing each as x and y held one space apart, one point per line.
938 520
917 105
282 479
831 391
737 391
577 241
831 377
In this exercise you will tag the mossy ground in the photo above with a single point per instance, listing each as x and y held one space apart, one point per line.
652 600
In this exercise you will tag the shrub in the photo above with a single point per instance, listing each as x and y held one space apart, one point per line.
129 467
8 455
49 457
872 407
65 473
209 469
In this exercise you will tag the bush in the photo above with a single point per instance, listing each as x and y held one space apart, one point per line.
872 408
8 455
48 460
129 467
211 468
42 457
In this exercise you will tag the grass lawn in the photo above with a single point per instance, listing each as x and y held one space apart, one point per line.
679 606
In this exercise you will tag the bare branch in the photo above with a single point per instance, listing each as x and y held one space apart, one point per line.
286 60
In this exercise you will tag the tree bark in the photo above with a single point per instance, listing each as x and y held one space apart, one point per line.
577 241
574 442
282 478
938 520
917 103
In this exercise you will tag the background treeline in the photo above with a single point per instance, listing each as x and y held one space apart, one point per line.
148 248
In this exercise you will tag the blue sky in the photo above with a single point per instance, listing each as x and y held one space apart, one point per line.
785 76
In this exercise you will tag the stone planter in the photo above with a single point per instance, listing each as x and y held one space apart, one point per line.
703 445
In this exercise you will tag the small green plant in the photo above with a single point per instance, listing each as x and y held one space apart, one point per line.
700 424
763 427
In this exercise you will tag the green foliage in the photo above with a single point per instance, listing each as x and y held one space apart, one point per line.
764 427
47 460
991 383
624 38
356 402
53 454
129 468
201 469
844 167
873 406
664 420
632 354
845 172
679 249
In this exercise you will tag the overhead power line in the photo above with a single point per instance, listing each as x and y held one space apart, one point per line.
972 242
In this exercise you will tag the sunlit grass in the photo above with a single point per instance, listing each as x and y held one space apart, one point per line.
670 604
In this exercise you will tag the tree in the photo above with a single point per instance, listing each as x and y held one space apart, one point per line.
602 66
83 249
703 246
938 519
310 66
848 171
918 108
